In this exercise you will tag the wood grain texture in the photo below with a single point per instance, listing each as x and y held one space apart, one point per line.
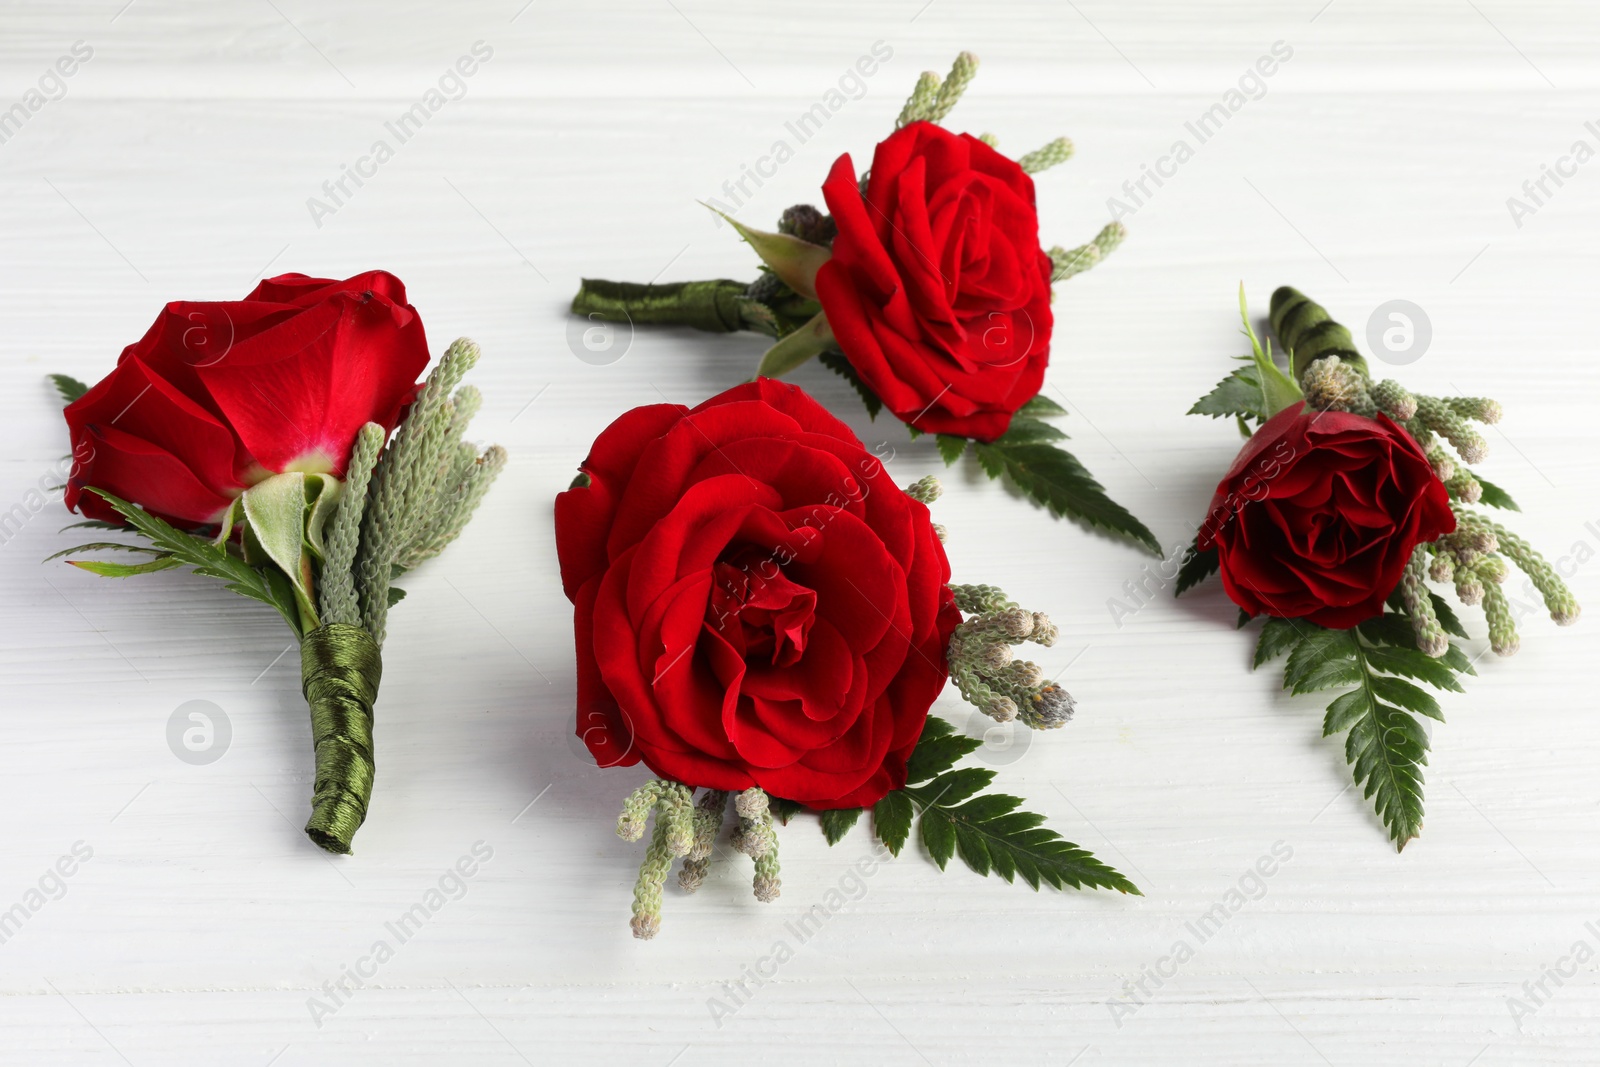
1376 166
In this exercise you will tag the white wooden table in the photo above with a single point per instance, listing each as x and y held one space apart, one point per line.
1376 166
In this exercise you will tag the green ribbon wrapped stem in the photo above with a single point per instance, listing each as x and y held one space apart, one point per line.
340 668
713 306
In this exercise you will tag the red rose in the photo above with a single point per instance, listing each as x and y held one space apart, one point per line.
1319 514
937 291
218 396
757 604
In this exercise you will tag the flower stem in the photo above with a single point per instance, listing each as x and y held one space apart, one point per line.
713 306
340 669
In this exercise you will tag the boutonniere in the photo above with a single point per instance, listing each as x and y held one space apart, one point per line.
924 284
282 444
764 619
1340 509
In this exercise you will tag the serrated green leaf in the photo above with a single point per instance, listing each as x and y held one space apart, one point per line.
1345 710
837 822
1239 394
1277 637
985 829
1027 430
100 546
1391 628
69 388
1448 619
971 847
938 835
1056 479
936 755
1196 567
952 787
269 586
93 524
1328 674
1494 496
891 820
1041 407
1400 692
1385 747
1414 664
1457 660
783 809
1317 649
951 447
396 594
836 362
107 569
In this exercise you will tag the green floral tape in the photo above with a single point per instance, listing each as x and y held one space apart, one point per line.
713 306
340 668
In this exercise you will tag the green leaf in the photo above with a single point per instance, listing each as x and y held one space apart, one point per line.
836 362
794 261
985 829
797 348
1414 664
93 524
1239 394
1345 710
955 786
69 388
837 822
782 809
1494 496
396 594
938 835
1026 430
107 569
939 749
1041 407
891 820
951 447
1322 659
276 510
1196 567
211 560
1386 747
1277 637
1278 390
1057 480
1408 696
1448 619
100 546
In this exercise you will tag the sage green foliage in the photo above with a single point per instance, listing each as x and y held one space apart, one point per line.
1373 664
1066 263
673 836
1053 154
424 488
